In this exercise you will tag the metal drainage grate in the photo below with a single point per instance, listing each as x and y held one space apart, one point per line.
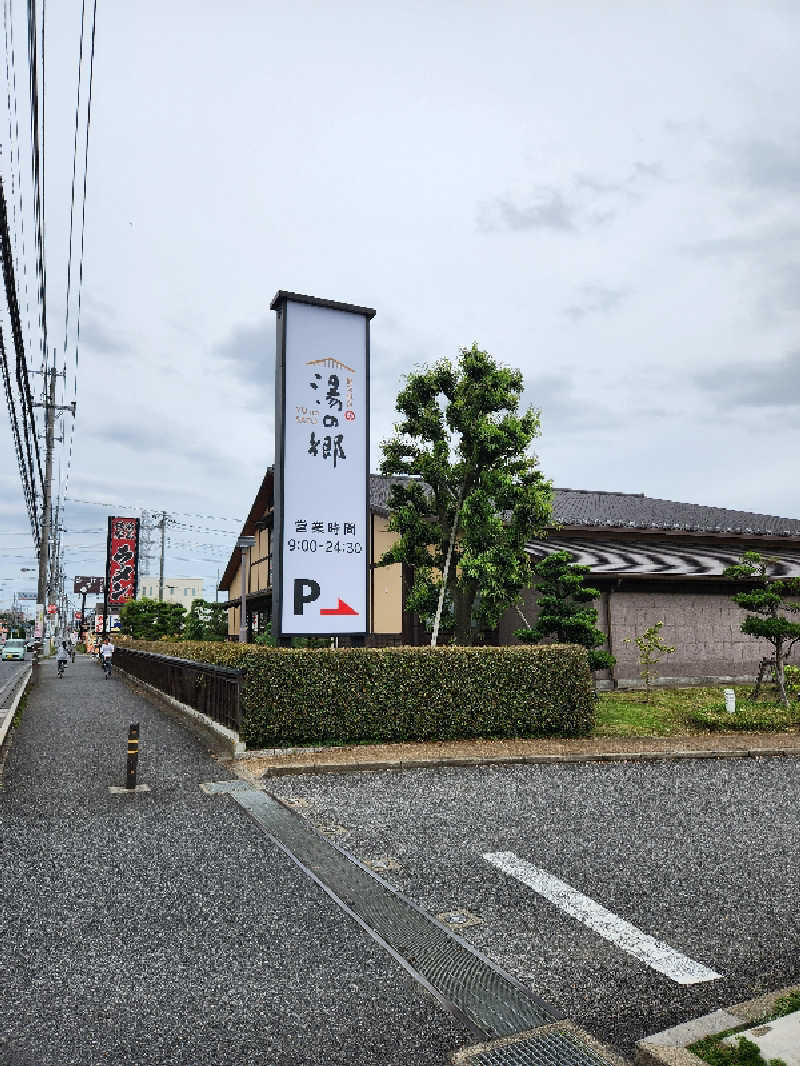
492 1001
553 1046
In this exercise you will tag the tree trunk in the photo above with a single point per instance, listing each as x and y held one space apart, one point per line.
779 678
463 601
762 667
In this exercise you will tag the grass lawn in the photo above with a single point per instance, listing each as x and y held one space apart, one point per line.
691 710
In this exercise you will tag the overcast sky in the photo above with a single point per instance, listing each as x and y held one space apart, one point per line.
603 195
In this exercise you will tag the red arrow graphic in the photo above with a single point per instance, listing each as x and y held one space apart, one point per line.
343 608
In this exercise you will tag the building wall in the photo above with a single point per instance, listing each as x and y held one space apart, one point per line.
176 589
703 627
701 622
387 582
260 563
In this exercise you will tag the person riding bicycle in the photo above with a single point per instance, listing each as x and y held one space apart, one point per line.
62 657
106 652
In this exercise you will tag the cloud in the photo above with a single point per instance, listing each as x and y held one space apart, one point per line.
547 209
250 351
630 187
594 299
565 412
169 443
772 166
755 384
248 355
769 240
102 337
591 198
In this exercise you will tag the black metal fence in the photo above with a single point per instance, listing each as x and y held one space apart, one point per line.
212 690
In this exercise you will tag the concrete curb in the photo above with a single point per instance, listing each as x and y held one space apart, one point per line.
669 1048
224 741
7 713
512 760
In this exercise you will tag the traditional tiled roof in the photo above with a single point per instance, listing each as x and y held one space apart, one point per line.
590 509
380 487
587 508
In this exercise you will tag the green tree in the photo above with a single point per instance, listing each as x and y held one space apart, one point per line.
651 651
769 601
206 621
475 494
564 611
151 619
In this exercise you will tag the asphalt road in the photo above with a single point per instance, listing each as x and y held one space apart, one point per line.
10 667
702 855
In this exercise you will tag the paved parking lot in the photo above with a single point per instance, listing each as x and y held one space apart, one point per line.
702 857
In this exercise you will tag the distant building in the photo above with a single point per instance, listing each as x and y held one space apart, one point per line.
176 589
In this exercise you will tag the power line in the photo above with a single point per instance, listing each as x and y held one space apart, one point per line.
83 214
24 457
138 507
12 417
38 196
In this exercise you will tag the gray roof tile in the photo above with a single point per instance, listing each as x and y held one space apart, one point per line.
581 507
591 509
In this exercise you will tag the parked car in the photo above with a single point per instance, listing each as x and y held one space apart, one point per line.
14 649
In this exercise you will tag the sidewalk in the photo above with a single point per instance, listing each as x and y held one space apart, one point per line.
165 927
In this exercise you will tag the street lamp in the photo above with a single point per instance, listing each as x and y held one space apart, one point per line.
245 543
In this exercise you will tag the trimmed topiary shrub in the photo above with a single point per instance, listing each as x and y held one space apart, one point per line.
296 696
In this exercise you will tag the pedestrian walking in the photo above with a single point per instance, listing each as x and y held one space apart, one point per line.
62 658
106 653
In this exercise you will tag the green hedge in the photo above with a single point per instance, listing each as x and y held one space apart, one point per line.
297 696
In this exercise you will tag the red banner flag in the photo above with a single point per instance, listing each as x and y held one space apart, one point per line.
123 560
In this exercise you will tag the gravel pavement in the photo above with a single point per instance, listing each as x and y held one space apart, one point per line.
164 927
701 854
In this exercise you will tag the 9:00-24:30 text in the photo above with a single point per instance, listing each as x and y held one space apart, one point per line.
349 547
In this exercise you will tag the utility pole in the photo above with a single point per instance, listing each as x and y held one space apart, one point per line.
163 524
44 542
42 592
55 566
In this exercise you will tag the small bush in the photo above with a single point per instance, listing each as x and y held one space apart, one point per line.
787 1004
743 1053
749 716
791 678
296 696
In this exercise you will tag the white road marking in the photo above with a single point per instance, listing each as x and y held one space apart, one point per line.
654 953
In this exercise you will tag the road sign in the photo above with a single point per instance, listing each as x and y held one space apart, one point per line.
51 608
